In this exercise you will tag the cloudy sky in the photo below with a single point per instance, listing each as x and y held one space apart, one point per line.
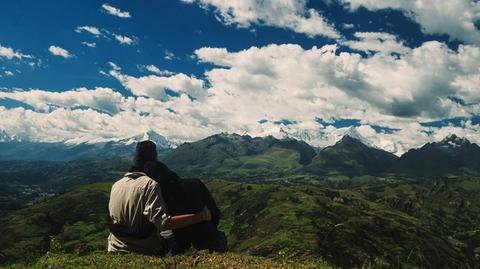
403 72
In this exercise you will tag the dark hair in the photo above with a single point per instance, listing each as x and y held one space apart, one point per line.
146 151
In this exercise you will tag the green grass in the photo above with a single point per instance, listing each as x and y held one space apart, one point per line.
425 224
196 260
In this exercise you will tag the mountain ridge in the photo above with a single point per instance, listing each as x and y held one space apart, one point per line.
233 156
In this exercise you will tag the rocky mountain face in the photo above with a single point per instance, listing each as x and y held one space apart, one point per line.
352 156
451 155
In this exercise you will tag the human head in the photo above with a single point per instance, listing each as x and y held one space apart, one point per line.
146 151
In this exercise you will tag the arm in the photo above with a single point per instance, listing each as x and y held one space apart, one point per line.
182 221
155 211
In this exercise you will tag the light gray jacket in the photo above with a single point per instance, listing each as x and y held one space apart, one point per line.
134 200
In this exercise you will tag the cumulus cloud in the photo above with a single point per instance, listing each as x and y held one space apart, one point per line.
115 11
124 39
104 99
456 18
58 51
9 53
376 42
96 32
8 73
153 69
168 55
377 82
89 29
90 45
289 14
156 86
280 90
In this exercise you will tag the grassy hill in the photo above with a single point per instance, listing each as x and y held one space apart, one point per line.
428 224
194 260
351 157
240 157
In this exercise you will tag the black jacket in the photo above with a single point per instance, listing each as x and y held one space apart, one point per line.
186 196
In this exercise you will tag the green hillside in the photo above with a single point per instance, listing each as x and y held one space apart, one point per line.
243 158
429 224
351 158
200 260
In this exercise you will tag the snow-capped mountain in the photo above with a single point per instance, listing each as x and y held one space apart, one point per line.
352 155
161 141
353 133
453 141
12 148
450 154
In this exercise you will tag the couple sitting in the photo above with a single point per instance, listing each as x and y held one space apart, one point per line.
153 211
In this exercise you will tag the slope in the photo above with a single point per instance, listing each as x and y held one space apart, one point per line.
426 224
232 156
351 157
452 155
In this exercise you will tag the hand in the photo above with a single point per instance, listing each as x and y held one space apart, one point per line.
206 214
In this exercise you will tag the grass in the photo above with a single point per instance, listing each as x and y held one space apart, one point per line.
194 260
424 224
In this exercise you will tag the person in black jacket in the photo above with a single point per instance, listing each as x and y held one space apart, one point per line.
186 196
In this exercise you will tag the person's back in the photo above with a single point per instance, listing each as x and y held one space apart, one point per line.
138 213
185 196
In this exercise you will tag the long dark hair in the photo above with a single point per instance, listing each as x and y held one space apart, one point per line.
145 151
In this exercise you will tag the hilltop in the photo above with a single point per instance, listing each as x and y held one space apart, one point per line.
200 261
427 224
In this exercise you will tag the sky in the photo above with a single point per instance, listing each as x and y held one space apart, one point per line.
402 72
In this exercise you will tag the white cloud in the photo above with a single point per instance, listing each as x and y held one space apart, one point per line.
103 99
168 55
289 14
115 11
8 73
9 53
155 86
454 17
124 39
152 68
376 42
274 83
58 51
89 29
90 45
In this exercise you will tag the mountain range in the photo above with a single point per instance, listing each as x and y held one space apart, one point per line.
245 158
396 222
12 148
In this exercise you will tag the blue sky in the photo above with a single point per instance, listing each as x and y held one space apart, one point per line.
401 72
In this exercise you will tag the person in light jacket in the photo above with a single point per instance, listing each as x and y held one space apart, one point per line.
138 211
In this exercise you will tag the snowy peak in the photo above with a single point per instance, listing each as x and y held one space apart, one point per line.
352 133
159 140
453 141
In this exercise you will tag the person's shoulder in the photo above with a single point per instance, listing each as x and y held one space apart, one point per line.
148 182
136 179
